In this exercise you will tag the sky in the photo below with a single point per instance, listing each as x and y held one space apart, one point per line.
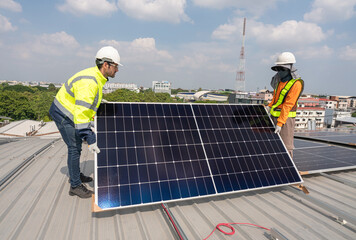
190 43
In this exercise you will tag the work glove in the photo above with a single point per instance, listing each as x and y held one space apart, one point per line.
94 148
278 129
104 100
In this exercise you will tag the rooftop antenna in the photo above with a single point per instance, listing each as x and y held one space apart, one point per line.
240 75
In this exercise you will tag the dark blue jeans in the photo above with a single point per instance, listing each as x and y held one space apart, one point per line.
73 142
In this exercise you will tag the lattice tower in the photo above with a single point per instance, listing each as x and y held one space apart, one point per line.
240 74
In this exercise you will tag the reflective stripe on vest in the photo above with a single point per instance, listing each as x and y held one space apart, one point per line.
282 95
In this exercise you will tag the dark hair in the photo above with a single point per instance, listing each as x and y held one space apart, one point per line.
99 63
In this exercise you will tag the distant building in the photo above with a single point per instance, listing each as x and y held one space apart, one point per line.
342 104
307 115
31 84
161 87
201 96
265 94
186 96
111 87
352 102
332 115
212 97
331 104
244 98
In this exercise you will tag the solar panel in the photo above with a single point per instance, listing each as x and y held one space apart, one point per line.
154 152
337 136
299 143
311 157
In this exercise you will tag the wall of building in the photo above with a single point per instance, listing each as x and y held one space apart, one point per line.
161 87
306 114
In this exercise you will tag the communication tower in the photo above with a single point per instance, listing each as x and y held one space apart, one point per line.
240 75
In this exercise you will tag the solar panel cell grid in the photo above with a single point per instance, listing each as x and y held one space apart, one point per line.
318 157
161 152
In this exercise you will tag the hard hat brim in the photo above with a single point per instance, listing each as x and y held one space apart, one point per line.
275 68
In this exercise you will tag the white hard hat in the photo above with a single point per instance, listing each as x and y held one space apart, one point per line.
108 54
285 58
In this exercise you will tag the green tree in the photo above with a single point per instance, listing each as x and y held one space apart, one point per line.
18 88
125 95
164 97
16 105
41 103
52 88
149 96
122 95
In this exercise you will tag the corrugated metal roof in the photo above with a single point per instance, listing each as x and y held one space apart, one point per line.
19 128
34 128
35 205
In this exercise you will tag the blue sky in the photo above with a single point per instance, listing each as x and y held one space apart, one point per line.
191 43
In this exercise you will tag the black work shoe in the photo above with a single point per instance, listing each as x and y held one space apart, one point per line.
81 191
84 179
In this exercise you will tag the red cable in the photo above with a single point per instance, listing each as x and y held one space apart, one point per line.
231 228
180 236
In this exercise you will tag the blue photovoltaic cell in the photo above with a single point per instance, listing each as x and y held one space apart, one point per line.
333 135
161 152
311 157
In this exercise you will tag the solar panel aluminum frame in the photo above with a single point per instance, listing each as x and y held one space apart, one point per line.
302 173
96 207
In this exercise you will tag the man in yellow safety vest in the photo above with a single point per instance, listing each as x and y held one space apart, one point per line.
288 87
73 109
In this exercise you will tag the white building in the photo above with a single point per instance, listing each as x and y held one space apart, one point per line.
332 115
213 97
309 114
186 96
161 87
331 104
343 104
111 87
265 95
353 102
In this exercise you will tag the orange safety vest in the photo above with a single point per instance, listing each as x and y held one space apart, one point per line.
276 112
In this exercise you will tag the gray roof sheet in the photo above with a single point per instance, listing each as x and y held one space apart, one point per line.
35 204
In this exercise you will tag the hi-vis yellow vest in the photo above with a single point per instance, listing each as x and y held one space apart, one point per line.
276 112
80 97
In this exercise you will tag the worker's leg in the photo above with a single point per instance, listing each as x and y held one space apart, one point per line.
74 145
287 134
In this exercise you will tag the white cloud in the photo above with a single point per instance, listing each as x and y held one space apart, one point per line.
92 7
140 50
195 60
331 10
348 53
288 33
317 52
56 44
202 57
10 5
155 10
5 25
227 31
143 55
